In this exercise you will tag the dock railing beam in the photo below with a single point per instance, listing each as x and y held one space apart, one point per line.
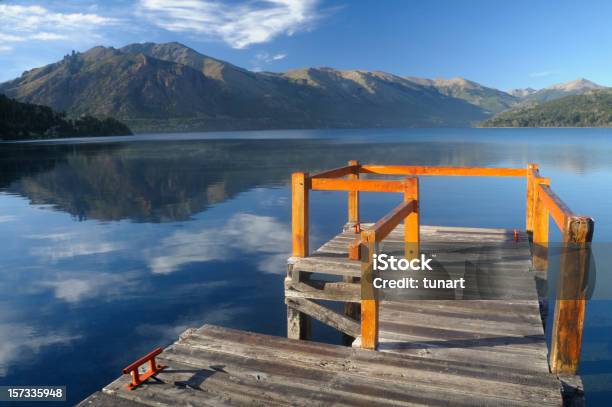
353 197
570 303
540 228
532 173
412 229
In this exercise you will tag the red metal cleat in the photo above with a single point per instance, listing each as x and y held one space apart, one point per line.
137 377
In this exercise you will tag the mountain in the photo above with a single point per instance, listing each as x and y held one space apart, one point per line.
522 92
560 90
592 108
25 121
490 99
170 87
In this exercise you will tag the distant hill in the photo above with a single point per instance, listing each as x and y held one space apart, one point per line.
170 87
490 99
25 121
592 108
560 90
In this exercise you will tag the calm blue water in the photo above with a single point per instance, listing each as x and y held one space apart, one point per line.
111 247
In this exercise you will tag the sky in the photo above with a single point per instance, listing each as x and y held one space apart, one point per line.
503 44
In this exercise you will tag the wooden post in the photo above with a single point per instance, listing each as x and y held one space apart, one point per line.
369 296
352 309
298 323
540 228
570 303
412 239
353 198
299 213
530 205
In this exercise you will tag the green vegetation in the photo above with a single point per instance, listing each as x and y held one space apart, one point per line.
26 121
591 109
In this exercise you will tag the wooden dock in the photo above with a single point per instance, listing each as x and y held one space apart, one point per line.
214 366
483 345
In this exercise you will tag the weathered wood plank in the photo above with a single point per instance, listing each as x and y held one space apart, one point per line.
323 290
325 315
362 363
100 399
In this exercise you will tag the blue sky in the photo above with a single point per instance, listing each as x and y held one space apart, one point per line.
504 44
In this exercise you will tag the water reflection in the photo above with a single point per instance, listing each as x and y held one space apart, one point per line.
170 181
119 247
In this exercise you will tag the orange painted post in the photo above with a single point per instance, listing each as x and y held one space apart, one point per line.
540 228
351 309
412 233
570 304
299 213
529 208
369 296
353 198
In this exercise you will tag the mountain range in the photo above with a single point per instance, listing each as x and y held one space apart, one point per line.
171 87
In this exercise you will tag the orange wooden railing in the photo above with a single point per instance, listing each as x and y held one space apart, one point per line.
570 303
540 203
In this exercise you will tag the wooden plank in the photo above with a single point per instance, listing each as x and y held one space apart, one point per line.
338 321
385 367
100 399
323 290
391 366
328 265
444 171
559 211
329 385
364 185
570 301
299 214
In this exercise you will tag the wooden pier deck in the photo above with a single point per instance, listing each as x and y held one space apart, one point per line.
482 345
433 352
215 366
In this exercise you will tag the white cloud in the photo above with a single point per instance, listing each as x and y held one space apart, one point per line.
74 288
45 36
17 340
7 218
73 249
63 245
239 25
264 58
266 236
36 23
220 314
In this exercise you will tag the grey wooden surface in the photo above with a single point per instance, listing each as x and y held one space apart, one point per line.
432 352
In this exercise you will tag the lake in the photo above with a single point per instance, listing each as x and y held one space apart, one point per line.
113 246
